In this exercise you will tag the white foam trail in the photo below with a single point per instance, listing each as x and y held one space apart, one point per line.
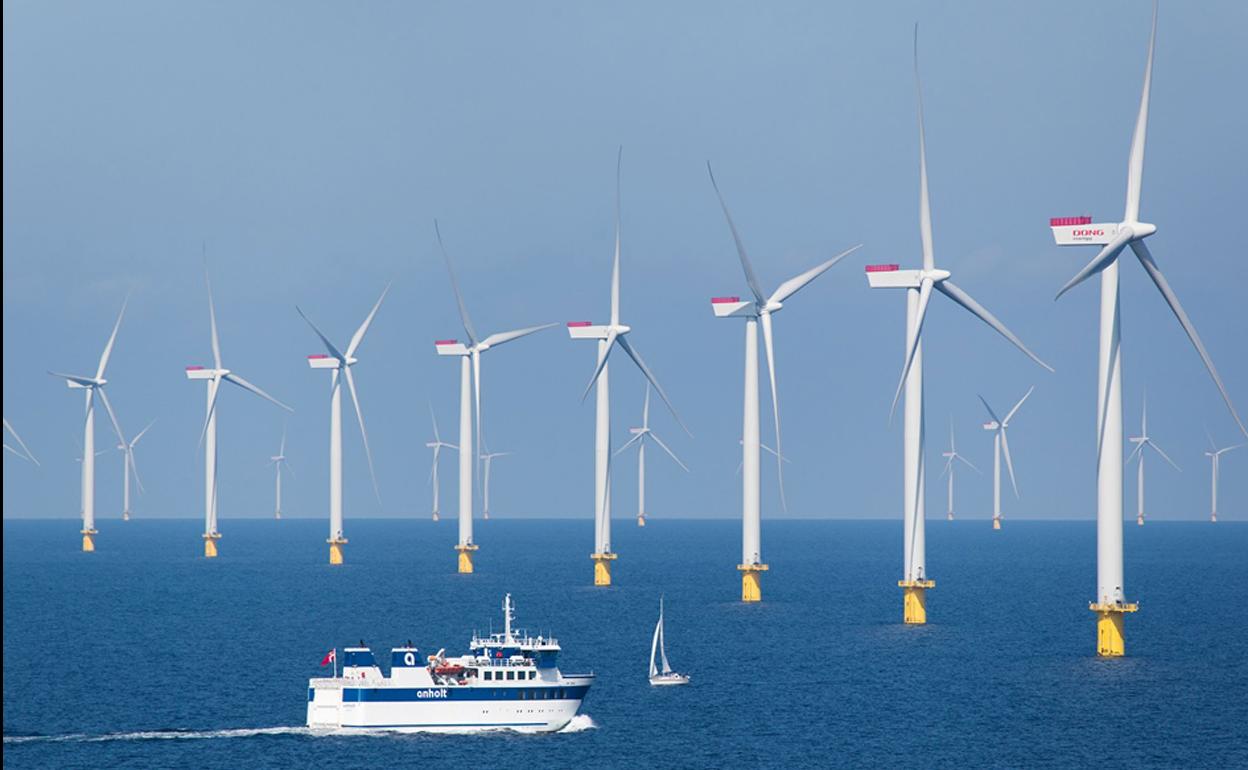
158 735
579 723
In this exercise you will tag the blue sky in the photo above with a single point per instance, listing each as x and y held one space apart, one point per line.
311 145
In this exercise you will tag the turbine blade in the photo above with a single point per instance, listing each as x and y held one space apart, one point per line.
645 409
1139 446
20 443
112 338
633 354
925 206
245 385
795 284
19 454
134 468
212 408
459 297
329 346
962 298
81 380
969 463
773 452
750 278
775 403
434 418
629 443
948 465
358 337
1165 456
670 453
282 449
112 416
615 264
494 340
1101 261
993 414
135 440
1009 464
1010 416
359 415
602 362
212 323
912 344
1135 166
1163 286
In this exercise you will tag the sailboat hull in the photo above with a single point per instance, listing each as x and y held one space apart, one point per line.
664 680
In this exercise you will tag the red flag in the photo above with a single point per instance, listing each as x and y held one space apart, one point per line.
329 657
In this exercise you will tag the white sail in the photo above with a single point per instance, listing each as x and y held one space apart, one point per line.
658 629
667 669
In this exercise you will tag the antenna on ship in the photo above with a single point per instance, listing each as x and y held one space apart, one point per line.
507 618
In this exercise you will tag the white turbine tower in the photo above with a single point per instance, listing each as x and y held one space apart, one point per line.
608 336
1141 441
759 309
128 466
469 387
436 445
93 386
1215 462
208 435
280 463
340 363
487 458
919 285
23 452
640 435
1111 603
950 457
1001 443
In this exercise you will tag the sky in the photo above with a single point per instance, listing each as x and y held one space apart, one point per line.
307 148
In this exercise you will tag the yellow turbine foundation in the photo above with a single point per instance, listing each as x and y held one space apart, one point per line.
465 557
1110 641
125 517
641 521
1139 520
335 549
602 567
915 608
751 581
210 545
1214 518
88 540
996 522
435 517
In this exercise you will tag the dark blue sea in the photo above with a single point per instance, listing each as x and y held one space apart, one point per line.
144 654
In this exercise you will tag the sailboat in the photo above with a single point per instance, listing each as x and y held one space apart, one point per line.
665 676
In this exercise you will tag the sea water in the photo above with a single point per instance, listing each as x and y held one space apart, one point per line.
145 654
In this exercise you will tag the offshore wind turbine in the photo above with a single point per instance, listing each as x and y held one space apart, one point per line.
1110 603
919 285
1141 441
129 466
208 435
436 445
756 311
1001 443
951 456
22 451
487 458
640 435
94 386
340 364
1215 462
608 336
469 387
280 463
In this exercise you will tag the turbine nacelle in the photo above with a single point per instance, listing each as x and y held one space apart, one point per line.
323 361
1081 230
204 373
586 330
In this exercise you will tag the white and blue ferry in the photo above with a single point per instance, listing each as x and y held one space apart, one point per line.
507 681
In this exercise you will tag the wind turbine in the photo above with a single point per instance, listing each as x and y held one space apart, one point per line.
919 285
129 466
93 386
608 336
759 309
436 445
487 457
469 377
208 435
1000 443
1140 442
950 456
1215 462
280 463
23 452
340 363
639 438
1110 603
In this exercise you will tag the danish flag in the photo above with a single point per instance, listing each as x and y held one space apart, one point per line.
330 657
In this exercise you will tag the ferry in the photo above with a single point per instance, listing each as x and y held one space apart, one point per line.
507 681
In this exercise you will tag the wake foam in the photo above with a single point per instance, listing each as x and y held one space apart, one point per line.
579 723
157 735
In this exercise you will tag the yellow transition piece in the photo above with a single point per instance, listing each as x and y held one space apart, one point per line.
1110 641
465 558
602 567
915 612
751 581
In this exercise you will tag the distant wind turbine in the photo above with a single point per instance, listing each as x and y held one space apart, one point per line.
469 385
950 456
1001 443
280 463
23 452
919 285
640 435
1111 603
93 386
340 363
208 434
1141 441
436 445
129 466
608 336
1215 462
487 458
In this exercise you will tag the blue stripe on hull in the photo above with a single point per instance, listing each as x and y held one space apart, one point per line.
443 694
